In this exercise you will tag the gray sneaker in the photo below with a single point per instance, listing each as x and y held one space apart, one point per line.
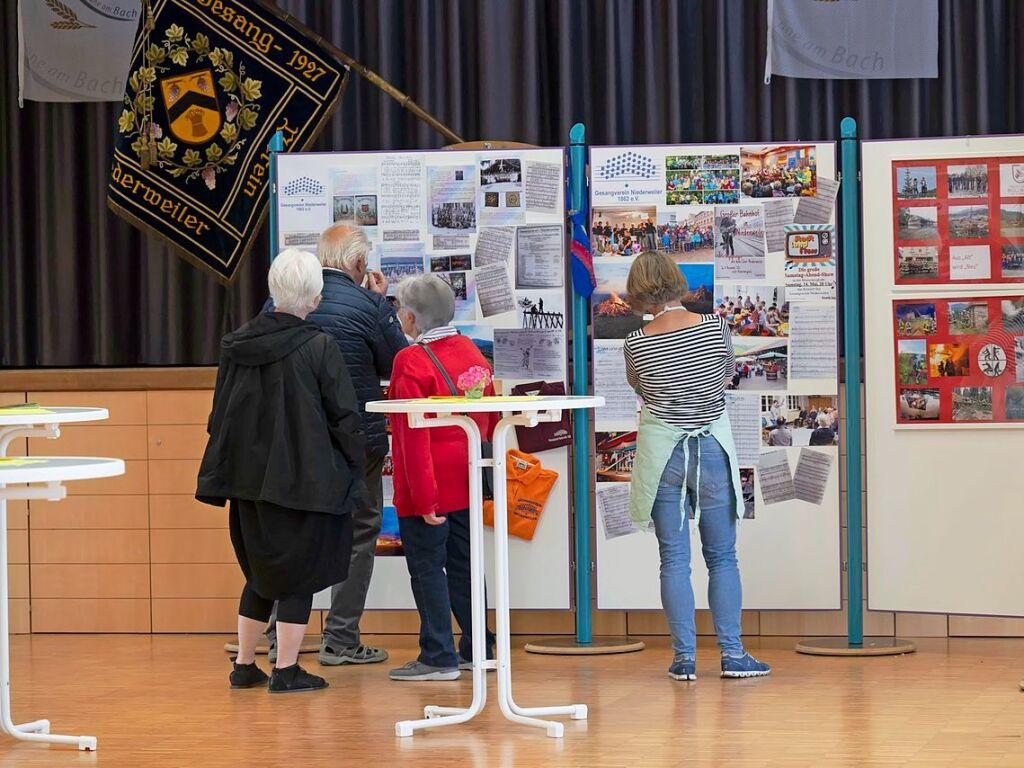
467 665
359 654
416 671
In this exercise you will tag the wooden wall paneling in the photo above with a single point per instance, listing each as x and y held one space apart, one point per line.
205 615
985 626
181 511
99 439
90 547
177 441
124 407
922 625
134 481
17 515
17 581
824 623
19 616
17 547
92 513
183 545
179 406
197 580
65 580
177 476
390 623
90 615
654 623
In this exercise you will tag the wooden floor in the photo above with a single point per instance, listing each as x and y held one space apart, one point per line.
157 701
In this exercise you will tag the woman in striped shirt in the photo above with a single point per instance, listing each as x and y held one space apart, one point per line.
685 462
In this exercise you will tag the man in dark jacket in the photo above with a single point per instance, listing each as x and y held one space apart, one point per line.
366 330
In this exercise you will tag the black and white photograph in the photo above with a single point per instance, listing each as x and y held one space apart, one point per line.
967 181
1013 315
453 217
541 310
501 174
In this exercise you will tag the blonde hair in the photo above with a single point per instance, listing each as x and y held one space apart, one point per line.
342 246
654 280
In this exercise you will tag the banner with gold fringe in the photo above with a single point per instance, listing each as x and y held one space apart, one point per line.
210 82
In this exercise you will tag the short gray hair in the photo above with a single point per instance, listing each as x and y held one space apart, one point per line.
822 419
428 297
341 246
295 280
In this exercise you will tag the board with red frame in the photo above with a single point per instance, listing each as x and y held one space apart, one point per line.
959 360
958 220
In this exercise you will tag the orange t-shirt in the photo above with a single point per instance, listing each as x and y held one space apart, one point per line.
529 484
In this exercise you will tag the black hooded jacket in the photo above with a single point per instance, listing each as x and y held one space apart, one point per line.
285 426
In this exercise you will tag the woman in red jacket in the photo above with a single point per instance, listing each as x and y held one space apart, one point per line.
431 479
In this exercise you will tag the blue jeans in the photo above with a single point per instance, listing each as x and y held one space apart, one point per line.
438 561
718 541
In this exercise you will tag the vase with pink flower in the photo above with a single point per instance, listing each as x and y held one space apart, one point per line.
474 381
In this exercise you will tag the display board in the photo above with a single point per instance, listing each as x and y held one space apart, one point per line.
751 227
944 363
492 224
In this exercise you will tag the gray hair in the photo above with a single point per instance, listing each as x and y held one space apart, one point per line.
341 246
295 280
428 297
822 420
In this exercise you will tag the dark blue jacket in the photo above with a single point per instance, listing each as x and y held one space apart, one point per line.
368 333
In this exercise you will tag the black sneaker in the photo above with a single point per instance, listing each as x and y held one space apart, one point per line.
294 679
247 676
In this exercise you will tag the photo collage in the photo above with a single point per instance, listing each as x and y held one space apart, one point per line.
490 224
721 215
958 221
959 360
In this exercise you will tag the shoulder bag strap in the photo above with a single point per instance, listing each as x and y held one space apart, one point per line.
437 364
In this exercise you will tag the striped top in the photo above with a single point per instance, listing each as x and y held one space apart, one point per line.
681 374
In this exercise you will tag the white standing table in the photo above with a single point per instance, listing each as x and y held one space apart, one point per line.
453 412
38 478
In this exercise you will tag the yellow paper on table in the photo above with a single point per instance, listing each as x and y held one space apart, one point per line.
23 410
16 462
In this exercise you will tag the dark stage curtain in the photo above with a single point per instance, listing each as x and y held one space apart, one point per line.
79 287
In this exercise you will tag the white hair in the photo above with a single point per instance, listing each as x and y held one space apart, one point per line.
822 420
429 298
295 281
341 246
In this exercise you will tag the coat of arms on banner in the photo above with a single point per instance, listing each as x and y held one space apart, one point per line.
209 84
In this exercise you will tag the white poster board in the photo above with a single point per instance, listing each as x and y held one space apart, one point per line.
492 223
681 199
944 499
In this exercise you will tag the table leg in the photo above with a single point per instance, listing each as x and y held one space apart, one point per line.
435 717
511 710
38 730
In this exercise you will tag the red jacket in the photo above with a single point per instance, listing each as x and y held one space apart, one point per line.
432 465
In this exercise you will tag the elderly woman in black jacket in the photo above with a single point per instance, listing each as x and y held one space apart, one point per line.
286 449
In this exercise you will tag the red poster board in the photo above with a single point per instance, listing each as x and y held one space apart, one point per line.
958 221
959 360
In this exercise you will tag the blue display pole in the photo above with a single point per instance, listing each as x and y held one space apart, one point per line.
276 145
854 644
584 642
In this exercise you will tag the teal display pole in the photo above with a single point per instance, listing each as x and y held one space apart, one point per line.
276 145
854 644
584 642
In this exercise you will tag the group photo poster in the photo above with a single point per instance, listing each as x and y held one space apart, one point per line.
751 228
958 220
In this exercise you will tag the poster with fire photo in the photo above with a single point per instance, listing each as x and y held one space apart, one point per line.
959 360
958 220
